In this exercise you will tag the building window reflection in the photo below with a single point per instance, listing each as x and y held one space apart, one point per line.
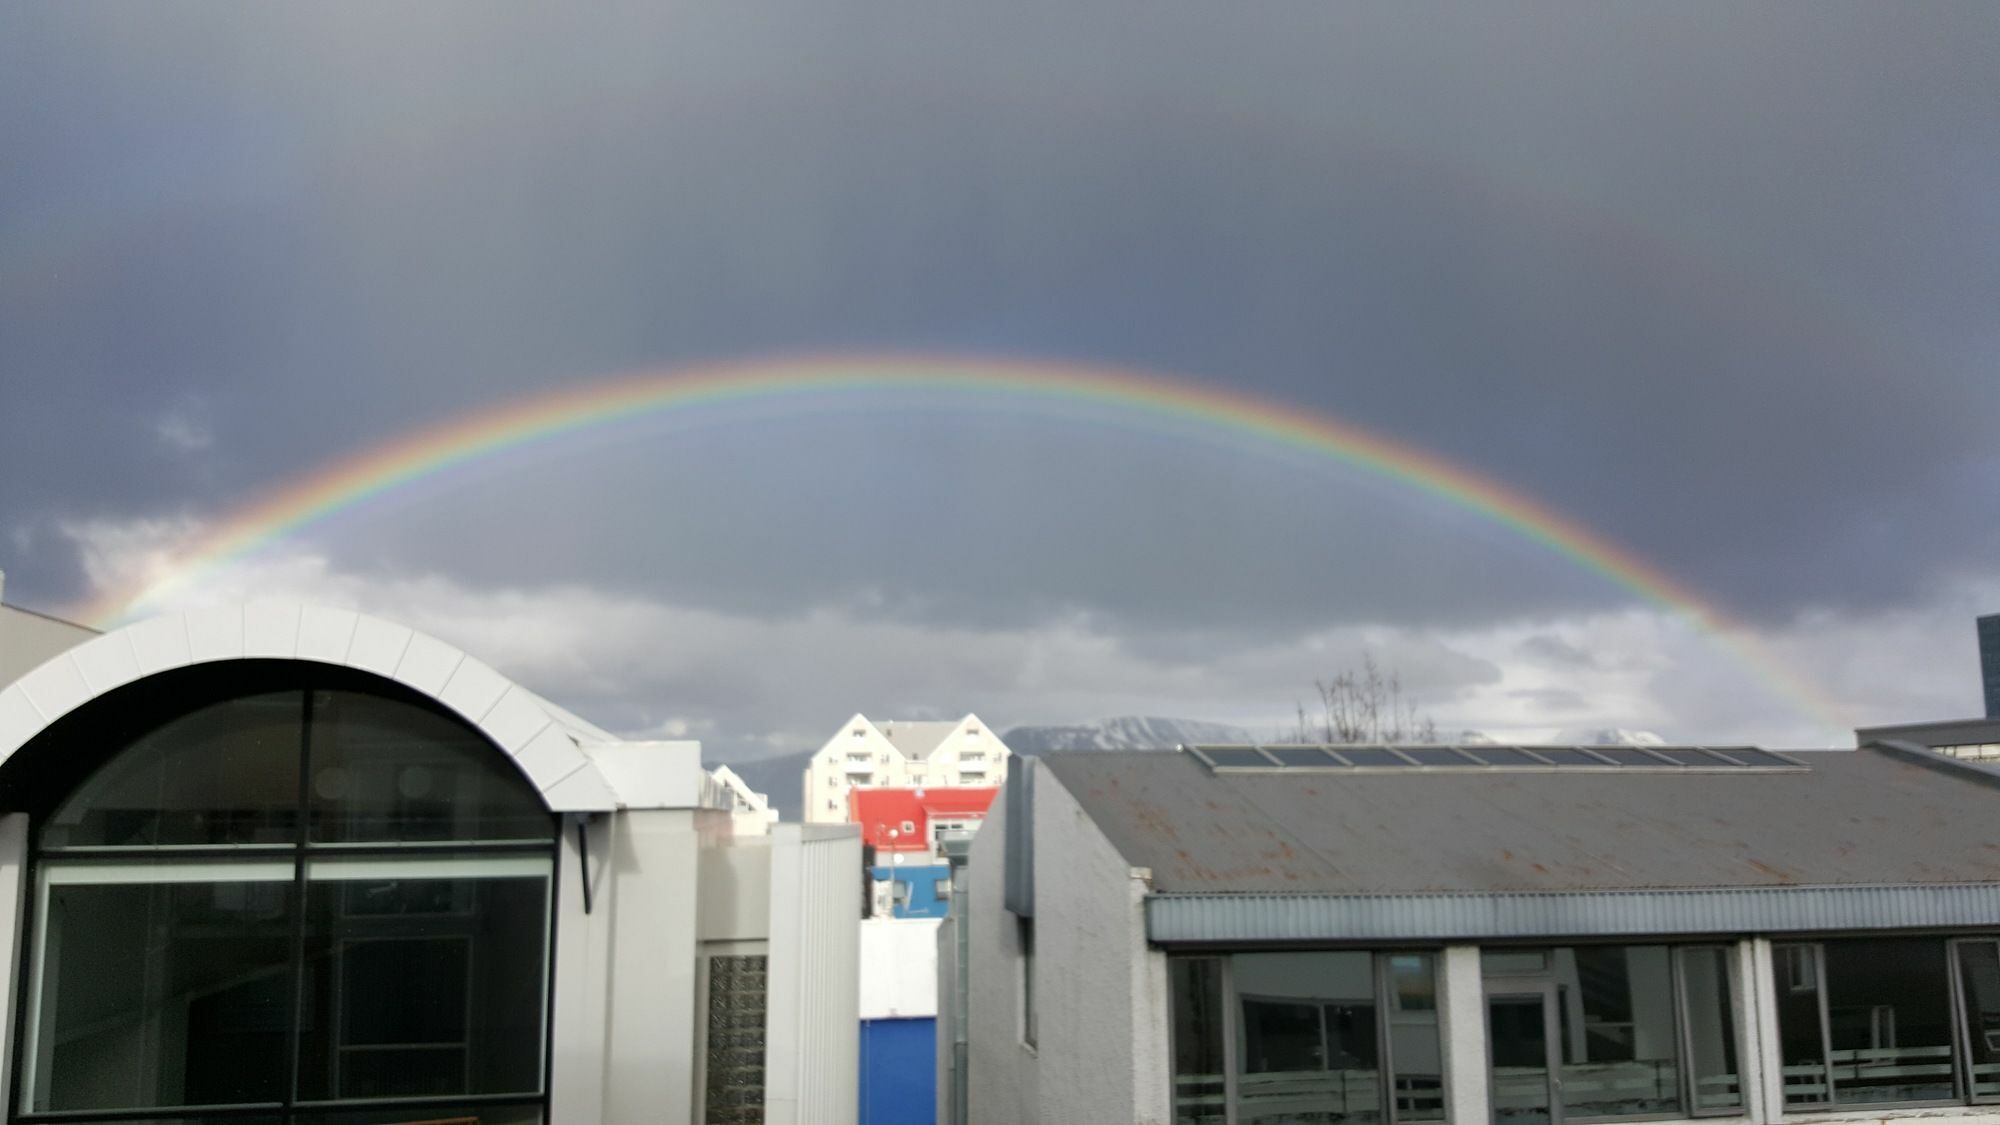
331 903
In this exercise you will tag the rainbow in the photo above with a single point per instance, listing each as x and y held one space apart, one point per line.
510 425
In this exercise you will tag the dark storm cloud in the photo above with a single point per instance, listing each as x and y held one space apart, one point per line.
1717 284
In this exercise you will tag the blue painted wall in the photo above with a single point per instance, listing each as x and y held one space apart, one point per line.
899 1072
923 895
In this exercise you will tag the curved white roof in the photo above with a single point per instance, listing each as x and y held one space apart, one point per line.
542 739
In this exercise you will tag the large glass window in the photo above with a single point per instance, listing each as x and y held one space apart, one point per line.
1866 1022
1599 1032
315 904
1200 1081
1310 1038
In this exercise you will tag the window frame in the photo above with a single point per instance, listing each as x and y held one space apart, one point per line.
1024 955
1961 1021
1512 981
1381 982
228 863
1960 1049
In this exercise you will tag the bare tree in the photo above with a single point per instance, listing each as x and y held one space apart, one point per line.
1365 706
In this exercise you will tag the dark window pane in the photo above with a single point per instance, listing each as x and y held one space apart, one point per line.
1517 1043
1800 1041
1567 756
1414 1048
1979 976
1437 756
1630 756
1196 986
227 773
1500 755
1500 962
1371 756
1236 757
162 993
1711 1021
425 1115
1889 1016
1309 1050
391 770
423 986
1624 1058
1762 759
1309 757
231 1119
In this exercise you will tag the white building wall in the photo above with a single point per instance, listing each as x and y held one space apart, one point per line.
899 968
813 1038
860 754
1101 1051
649 1052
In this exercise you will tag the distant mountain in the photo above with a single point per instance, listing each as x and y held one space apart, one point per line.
1607 736
1127 733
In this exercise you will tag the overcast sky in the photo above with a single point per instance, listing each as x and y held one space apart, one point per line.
1717 282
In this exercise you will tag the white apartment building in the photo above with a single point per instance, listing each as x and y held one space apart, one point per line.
900 754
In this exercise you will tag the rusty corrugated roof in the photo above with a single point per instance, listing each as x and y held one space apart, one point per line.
1858 817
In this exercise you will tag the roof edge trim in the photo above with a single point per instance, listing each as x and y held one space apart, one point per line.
1240 918
537 738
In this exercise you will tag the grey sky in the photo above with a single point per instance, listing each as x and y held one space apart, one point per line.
1716 282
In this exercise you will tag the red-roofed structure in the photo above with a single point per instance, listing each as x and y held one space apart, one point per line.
910 820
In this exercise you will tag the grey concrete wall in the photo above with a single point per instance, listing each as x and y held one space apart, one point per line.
1000 1070
1101 1049
27 639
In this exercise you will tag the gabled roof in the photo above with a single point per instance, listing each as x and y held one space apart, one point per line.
1409 852
916 740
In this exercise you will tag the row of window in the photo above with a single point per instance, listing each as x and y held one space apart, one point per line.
1596 1032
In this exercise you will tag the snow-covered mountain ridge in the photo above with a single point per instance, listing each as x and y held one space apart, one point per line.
1130 732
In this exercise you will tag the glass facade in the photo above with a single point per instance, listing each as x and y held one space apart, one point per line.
1866 1022
1306 1038
1603 1032
299 905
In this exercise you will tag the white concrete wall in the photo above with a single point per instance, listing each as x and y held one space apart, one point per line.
649 1051
1101 1051
899 968
1462 1026
813 1026
580 1022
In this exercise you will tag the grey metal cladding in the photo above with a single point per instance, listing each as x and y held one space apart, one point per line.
1189 918
1870 817
1018 861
